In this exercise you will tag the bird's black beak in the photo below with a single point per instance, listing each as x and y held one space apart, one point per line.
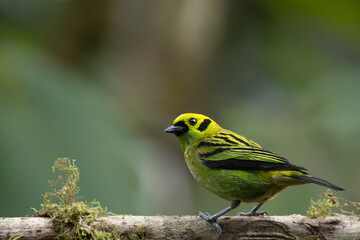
177 129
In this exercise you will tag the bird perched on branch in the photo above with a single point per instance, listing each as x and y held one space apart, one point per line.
234 167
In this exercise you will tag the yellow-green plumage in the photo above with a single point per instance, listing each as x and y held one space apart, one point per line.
232 166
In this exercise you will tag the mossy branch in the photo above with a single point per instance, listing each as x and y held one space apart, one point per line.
72 219
62 217
192 227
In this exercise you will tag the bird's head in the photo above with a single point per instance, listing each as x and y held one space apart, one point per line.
190 128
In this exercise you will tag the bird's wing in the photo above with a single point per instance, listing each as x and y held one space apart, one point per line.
227 150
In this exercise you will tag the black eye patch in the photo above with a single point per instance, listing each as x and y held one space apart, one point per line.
203 126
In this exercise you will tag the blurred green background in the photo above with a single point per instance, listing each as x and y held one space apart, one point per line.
99 82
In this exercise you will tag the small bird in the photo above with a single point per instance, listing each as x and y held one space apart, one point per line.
234 167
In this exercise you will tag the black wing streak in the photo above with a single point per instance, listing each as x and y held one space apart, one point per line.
226 139
234 137
236 164
239 164
209 154
212 144
270 154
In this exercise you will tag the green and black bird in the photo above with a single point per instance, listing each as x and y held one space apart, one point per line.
234 167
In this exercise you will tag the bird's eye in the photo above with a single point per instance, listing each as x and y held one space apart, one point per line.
192 121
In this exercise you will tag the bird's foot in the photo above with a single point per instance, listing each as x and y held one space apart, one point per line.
253 213
212 219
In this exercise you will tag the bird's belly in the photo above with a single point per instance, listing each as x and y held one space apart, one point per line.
247 186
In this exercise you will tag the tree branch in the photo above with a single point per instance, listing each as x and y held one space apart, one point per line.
192 227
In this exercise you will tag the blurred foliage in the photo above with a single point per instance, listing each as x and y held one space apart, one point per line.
99 83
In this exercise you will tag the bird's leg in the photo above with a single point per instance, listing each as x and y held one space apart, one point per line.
212 218
254 212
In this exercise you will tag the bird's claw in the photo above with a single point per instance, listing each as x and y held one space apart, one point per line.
211 219
253 214
205 216
217 226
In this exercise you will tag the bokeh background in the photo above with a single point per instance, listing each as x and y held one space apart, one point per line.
99 82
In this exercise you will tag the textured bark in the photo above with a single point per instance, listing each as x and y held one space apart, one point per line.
192 227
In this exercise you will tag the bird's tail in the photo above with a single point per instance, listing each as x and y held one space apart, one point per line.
317 181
